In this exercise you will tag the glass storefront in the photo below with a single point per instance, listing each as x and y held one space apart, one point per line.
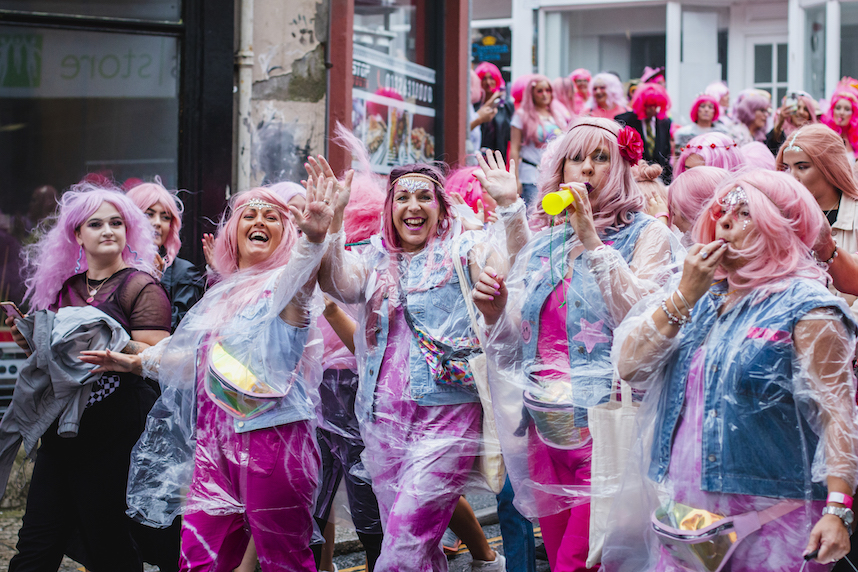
159 10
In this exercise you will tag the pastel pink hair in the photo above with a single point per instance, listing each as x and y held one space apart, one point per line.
701 99
648 94
475 88
580 73
52 260
518 86
786 220
758 156
690 192
808 102
287 190
445 217
850 132
827 153
613 87
146 195
564 91
530 119
717 89
487 68
226 241
462 181
620 195
717 150
362 217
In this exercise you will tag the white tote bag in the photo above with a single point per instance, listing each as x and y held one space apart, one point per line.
612 426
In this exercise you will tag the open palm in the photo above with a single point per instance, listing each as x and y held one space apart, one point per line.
498 181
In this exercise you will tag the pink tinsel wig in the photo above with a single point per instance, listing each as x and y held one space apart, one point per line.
701 99
786 220
226 242
827 153
487 68
648 94
51 261
530 119
620 195
850 131
147 195
716 149
389 233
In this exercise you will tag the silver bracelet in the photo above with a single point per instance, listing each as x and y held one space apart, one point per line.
682 299
671 317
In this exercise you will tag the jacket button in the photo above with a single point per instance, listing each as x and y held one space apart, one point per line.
372 372
712 458
241 423
713 413
577 303
580 349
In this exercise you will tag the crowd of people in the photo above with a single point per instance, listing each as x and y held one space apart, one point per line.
642 338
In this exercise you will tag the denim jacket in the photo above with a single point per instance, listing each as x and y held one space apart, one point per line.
589 324
756 438
436 305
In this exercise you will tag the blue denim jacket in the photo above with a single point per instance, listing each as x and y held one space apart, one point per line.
435 303
756 440
587 316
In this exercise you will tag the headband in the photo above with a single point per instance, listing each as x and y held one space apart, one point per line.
711 146
259 204
413 182
792 146
628 140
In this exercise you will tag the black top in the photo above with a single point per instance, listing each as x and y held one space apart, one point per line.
495 134
185 285
662 141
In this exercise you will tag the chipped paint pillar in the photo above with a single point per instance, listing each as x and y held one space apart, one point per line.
287 103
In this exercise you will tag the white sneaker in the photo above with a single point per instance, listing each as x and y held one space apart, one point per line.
496 565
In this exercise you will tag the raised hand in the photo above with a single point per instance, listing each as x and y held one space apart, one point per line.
498 181
490 295
319 167
699 268
208 249
318 212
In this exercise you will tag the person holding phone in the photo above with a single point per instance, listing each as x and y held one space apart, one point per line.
797 110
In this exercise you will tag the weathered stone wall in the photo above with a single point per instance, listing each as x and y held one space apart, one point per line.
289 87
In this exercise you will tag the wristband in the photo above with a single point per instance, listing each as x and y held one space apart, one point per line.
664 214
840 498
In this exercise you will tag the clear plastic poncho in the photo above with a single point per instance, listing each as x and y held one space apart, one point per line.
747 412
234 365
549 353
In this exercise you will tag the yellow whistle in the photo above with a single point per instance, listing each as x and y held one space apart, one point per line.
554 203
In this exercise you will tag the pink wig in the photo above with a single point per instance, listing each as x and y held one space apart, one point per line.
701 99
530 119
462 181
826 152
580 73
564 91
691 191
787 221
850 131
362 217
518 87
758 156
717 150
388 231
613 87
808 102
287 190
717 89
488 68
475 88
226 242
747 106
648 94
620 195
148 194
51 261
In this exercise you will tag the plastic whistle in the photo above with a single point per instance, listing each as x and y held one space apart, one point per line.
556 202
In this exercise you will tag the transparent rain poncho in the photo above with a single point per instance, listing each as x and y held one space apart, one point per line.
233 366
418 408
549 355
747 411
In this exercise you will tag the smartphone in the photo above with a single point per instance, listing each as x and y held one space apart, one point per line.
11 310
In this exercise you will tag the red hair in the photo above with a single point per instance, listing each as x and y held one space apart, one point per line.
648 94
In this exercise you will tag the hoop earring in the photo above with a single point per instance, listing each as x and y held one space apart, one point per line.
79 258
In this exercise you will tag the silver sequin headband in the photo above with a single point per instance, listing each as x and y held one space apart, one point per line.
259 204
413 182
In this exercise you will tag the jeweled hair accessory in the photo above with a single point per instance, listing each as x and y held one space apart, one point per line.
734 198
413 182
259 204
711 146
792 146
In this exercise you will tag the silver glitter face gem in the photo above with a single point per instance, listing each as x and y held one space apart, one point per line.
745 224
414 184
734 198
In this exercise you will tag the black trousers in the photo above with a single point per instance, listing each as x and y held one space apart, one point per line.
76 503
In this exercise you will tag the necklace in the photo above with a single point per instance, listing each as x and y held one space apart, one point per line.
730 293
93 291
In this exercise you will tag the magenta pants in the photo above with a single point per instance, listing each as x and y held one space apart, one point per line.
262 483
566 534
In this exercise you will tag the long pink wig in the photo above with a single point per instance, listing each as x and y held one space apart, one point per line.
362 217
146 195
648 94
827 153
519 85
701 99
226 242
51 261
487 68
613 87
564 92
691 191
787 221
620 195
445 218
717 150
530 119
850 131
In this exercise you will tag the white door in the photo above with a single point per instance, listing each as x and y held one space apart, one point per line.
766 67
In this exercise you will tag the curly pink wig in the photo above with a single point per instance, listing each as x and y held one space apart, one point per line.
701 99
388 230
51 261
530 119
717 150
850 131
226 242
147 195
826 152
620 195
648 94
487 68
787 221
691 191
613 87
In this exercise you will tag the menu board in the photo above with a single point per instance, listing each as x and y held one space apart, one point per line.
393 109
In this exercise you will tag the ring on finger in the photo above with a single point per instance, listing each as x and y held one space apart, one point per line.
327 202
704 255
